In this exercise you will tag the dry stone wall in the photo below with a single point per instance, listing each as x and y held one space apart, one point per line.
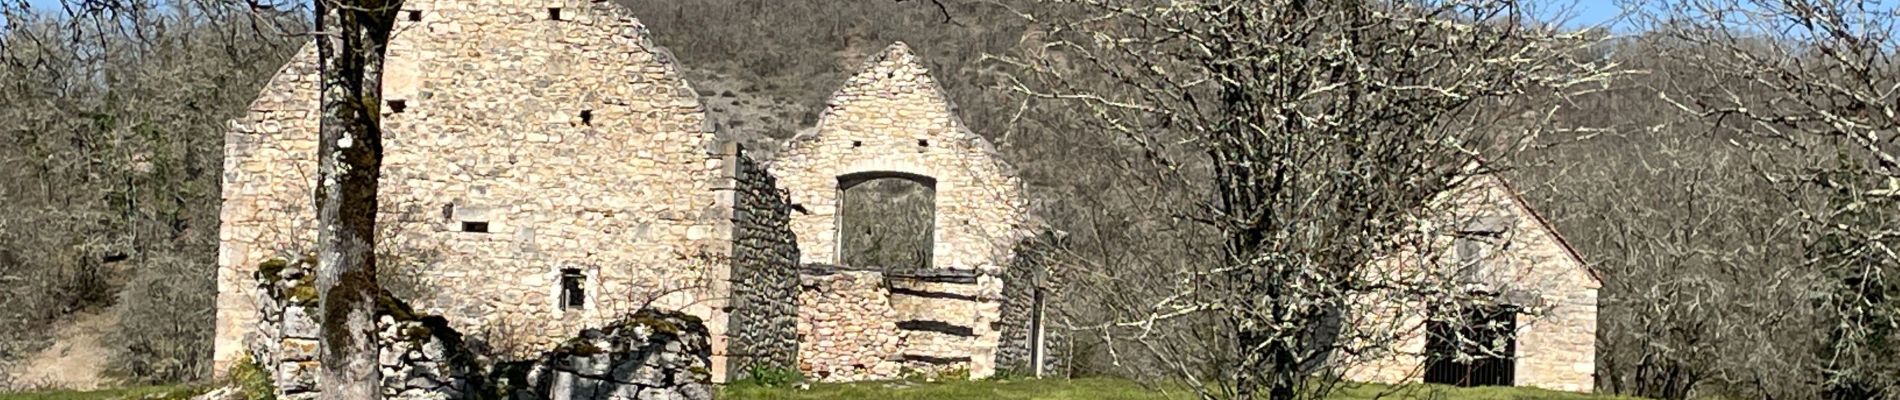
523 138
1031 278
847 328
420 356
868 325
764 318
646 356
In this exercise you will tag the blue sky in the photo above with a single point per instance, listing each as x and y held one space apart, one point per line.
1584 13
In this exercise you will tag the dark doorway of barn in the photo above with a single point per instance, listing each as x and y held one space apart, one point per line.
1477 349
886 220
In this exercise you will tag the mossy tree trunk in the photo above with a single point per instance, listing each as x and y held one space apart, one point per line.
352 38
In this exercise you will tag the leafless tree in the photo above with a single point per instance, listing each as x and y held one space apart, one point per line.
1816 79
1325 132
110 159
1702 284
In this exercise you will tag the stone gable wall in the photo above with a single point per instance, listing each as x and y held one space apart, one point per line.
1532 269
892 117
575 139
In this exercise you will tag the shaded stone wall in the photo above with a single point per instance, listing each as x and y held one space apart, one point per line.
1529 266
764 320
557 124
420 356
867 325
1032 271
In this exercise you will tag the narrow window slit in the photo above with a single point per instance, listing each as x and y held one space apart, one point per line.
573 293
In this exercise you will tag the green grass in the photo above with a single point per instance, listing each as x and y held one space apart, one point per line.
1111 389
1021 389
176 392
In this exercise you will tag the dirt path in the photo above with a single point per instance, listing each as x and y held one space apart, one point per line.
75 360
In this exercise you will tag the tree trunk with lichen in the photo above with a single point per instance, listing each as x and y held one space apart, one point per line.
351 42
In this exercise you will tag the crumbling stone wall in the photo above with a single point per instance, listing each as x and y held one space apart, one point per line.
420 356
764 318
858 324
555 126
646 356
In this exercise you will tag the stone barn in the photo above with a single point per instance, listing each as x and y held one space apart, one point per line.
548 169
1529 302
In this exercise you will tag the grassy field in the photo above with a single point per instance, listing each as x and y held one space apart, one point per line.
1109 389
1076 389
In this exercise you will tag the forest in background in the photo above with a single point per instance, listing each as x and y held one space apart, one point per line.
111 151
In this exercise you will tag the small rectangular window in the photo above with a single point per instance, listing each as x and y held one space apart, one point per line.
475 226
573 295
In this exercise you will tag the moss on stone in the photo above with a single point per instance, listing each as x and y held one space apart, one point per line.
272 270
302 294
657 324
583 347
388 304
416 332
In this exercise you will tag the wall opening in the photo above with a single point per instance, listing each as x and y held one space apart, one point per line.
554 14
1479 348
887 220
573 289
475 226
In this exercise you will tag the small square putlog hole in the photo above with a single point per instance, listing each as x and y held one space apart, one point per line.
413 15
587 117
554 13
475 226
398 105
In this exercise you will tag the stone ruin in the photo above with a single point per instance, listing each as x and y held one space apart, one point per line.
549 172
647 355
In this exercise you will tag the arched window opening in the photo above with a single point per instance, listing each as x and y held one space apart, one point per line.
887 220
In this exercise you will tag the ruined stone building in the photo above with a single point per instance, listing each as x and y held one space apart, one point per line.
549 169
